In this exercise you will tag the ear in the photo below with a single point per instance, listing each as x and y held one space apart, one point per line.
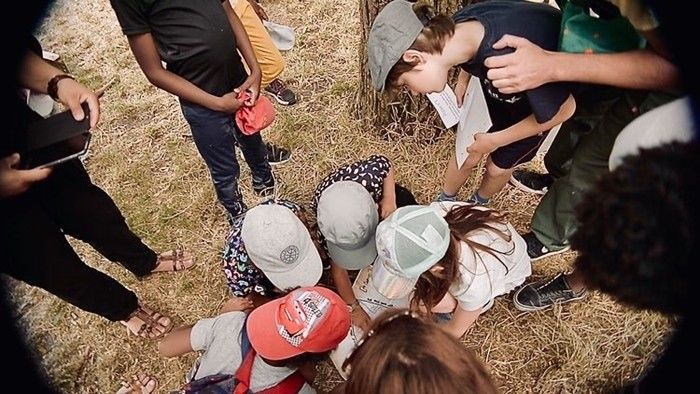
436 269
414 57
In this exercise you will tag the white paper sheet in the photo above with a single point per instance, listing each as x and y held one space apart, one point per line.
473 118
445 104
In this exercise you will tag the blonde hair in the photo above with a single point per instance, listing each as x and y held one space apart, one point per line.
438 28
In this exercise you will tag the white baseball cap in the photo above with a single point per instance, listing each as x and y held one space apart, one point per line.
279 244
347 217
409 242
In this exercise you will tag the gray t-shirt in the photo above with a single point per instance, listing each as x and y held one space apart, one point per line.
220 339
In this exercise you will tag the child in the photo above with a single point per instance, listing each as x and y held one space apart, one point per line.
269 251
410 47
404 354
199 41
348 203
453 257
283 335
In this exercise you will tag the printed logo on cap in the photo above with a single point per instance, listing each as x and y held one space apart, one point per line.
289 255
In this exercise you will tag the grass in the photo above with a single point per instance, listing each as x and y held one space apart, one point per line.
143 156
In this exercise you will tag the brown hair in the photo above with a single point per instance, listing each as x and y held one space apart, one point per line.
462 220
438 28
405 354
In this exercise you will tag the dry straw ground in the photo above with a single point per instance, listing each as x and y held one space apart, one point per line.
144 157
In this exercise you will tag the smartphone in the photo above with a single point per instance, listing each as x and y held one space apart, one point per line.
56 139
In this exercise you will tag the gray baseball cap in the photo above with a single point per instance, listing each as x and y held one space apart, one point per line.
347 217
393 31
409 242
280 245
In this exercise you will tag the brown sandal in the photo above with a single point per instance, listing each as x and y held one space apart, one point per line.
151 321
179 258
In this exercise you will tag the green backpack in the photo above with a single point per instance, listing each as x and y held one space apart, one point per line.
582 32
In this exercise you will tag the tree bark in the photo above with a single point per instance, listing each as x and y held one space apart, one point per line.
399 112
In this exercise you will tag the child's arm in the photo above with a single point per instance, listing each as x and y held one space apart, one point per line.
461 321
176 343
485 143
252 84
146 54
344 287
235 304
388 203
461 87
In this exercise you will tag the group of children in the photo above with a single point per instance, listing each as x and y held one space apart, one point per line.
449 258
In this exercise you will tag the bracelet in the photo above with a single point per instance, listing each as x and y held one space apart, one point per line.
351 307
52 88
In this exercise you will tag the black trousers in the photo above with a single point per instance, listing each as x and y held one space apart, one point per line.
35 250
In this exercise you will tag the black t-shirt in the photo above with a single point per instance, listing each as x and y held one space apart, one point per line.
539 23
194 38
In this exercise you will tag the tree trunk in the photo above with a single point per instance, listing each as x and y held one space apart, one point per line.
388 112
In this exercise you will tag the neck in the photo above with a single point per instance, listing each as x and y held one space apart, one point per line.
463 45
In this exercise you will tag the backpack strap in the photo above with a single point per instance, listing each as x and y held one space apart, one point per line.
244 371
290 385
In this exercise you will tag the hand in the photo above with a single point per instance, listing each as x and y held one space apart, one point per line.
72 94
229 103
259 10
252 85
386 207
526 68
483 144
234 304
14 181
460 90
360 318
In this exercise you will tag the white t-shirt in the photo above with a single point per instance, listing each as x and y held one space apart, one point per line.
484 276
220 339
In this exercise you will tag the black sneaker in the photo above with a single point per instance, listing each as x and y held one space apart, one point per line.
265 189
545 293
281 92
531 182
276 154
536 249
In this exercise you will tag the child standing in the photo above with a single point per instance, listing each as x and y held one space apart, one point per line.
453 258
410 47
283 336
199 41
348 204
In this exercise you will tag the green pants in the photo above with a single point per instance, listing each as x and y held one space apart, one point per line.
579 156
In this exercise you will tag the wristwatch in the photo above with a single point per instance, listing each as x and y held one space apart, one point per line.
52 88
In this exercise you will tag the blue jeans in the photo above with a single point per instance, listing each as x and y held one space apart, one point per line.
216 135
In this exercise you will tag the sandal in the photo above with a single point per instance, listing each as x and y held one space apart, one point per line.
179 260
153 324
142 384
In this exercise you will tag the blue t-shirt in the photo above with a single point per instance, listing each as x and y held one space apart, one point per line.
540 24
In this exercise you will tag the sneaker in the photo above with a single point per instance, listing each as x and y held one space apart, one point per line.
276 154
531 182
536 249
281 92
545 293
266 189
442 197
478 200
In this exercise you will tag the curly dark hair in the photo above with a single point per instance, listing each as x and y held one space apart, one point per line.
638 229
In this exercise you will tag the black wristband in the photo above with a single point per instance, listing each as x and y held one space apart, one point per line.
52 88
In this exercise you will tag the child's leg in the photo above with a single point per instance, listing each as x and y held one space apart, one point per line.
494 179
213 134
446 305
255 154
269 57
455 177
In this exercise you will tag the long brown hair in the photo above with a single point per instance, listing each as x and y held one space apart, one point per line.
403 353
462 220
438 28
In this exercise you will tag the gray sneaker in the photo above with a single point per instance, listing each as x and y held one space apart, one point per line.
545 293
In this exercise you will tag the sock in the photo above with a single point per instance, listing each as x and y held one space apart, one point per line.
476 198
442 196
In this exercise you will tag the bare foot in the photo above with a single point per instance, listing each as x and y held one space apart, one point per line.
174 261
236 304
147 323
142 384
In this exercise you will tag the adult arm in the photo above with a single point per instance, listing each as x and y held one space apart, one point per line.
530 66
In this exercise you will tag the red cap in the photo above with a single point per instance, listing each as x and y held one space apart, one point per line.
251 120
309 319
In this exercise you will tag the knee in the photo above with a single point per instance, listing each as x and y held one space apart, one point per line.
495 171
